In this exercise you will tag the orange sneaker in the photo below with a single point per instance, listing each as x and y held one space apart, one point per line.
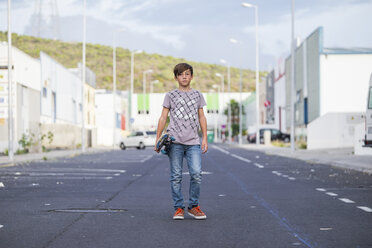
197 213
179 214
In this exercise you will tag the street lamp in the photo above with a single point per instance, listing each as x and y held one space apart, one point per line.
10 95
215 114
131 84
83 77
152 85
229 90
114 85
293 82
223 91
144 89
248 5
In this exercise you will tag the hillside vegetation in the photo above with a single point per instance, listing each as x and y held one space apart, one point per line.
99 59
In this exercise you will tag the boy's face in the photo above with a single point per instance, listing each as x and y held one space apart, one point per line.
184 78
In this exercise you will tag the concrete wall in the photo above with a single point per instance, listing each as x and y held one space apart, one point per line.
333 130
344 82
65 136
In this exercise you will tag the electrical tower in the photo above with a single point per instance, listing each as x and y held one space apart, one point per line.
45 20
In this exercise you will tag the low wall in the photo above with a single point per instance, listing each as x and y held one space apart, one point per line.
333 130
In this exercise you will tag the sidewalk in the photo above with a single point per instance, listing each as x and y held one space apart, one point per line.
42 156
342 157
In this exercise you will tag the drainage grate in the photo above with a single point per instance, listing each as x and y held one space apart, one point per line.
89 210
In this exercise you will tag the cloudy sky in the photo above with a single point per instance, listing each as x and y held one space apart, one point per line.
200 30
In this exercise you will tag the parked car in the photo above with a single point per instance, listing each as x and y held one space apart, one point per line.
138 139
276 134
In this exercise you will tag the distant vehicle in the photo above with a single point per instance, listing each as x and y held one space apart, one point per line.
138 139
368 134
276 134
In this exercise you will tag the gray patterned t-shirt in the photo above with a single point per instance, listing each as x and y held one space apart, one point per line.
184 118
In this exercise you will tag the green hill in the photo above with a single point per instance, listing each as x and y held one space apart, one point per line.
99 59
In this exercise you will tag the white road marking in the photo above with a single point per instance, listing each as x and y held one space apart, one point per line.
259 165
346 200
325 228
367 209
321 189
241 158
291 178
257 156
2 185
1 226
331 194
117 174
221 195
47 204
285 176
147 158
220 149
35 184
137 175
203 173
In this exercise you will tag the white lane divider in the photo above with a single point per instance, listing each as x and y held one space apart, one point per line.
285 176
259 165
346 200
2 185
220 149
1 226
241 158
367 209
331 194
147 158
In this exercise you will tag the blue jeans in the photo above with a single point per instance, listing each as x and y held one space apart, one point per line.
192 153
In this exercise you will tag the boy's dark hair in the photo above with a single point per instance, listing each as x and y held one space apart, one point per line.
181 67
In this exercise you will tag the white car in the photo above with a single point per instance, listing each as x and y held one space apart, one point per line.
138 139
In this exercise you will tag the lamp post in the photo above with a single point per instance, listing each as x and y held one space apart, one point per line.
144 92
83 78
114 85
10 96
222 89
293 82
229 105
131 84
215 114
152 85
248 5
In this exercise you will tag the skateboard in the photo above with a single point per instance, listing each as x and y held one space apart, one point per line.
165 141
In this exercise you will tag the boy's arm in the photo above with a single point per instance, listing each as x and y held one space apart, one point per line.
203 126
161 125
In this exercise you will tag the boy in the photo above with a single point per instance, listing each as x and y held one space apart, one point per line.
186 113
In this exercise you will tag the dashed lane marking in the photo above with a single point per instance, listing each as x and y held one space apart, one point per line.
147 158
241 158
259 165
331 194
1 226
321 189
346 200
367 209
2 185
220 149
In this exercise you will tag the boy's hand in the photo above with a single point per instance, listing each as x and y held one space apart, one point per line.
156 145
204 146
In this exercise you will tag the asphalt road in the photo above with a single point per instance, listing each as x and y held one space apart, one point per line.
122 199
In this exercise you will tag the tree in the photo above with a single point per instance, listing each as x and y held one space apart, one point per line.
234 116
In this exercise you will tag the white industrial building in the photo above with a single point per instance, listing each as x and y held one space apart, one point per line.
110 124
26 95
331 87
60 104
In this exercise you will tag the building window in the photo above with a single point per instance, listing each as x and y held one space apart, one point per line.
45 92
